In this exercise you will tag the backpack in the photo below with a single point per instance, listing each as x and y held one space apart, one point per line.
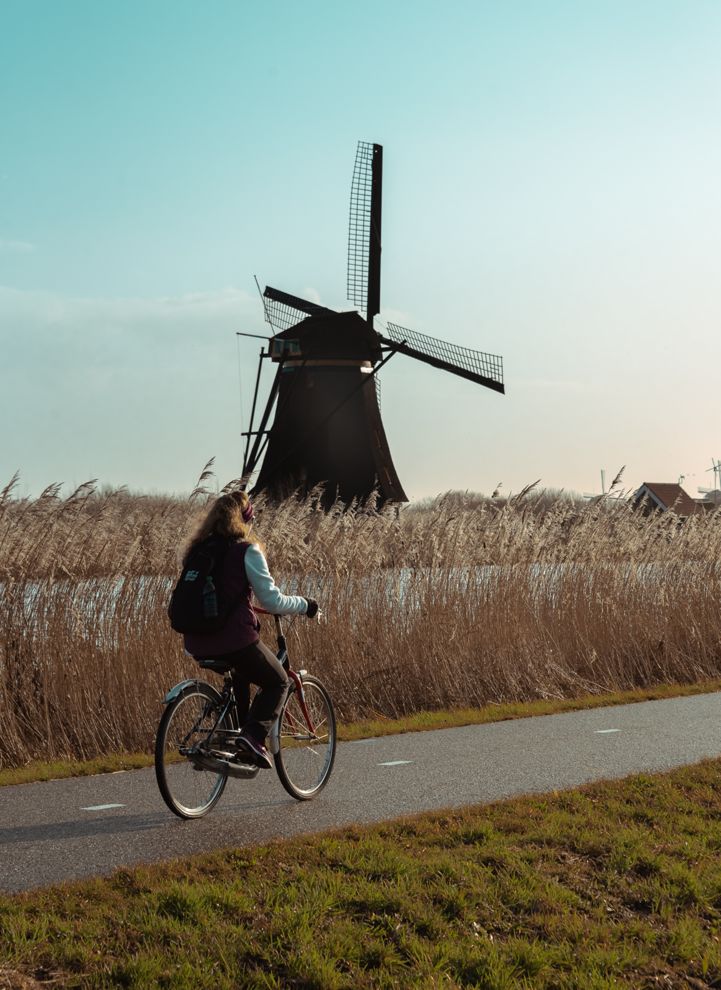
198 603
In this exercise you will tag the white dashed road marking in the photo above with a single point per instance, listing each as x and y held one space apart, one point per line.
605 732
102 807
394 763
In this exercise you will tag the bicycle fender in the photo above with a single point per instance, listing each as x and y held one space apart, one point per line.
183 686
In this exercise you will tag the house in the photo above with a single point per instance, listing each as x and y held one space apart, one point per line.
656 496
711 500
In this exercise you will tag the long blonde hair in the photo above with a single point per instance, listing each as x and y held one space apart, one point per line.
225 518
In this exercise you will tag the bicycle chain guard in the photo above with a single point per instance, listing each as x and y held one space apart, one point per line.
216 764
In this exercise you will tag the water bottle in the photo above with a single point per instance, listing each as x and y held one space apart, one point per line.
210 599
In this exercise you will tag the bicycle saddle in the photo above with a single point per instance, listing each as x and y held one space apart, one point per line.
219 666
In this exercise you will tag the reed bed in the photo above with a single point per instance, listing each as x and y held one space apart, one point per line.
460 601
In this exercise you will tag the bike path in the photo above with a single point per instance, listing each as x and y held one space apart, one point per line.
86 826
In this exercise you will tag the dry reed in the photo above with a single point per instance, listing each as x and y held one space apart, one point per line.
461 601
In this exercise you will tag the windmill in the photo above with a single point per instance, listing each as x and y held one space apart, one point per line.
713 494
591 495
327 429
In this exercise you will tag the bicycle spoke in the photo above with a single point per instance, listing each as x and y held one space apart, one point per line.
186 727
306 755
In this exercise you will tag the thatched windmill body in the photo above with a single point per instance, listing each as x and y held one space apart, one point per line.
327 428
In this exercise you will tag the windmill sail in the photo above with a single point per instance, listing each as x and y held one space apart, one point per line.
476 366
364 230
285 310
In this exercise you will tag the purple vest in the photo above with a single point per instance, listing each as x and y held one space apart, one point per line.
242 626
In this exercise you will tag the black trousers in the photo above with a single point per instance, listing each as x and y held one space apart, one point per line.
256 664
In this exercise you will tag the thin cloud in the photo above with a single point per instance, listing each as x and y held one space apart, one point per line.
399 316
102 382
15 247
312 295
554 384
200 309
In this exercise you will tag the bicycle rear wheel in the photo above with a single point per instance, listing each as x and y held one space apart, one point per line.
186 722
305 756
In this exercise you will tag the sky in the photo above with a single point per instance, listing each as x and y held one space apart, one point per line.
550 194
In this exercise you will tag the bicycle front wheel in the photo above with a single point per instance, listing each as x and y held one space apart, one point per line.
306 752
185 725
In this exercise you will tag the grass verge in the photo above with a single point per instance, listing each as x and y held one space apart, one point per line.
369 728
612 885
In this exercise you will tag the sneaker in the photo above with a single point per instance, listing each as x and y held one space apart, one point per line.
261 756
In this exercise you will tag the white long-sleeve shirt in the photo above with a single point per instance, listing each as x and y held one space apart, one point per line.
264 588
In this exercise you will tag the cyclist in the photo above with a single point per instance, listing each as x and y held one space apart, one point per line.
244 574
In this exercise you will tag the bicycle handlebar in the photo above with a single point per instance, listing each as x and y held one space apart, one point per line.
281 615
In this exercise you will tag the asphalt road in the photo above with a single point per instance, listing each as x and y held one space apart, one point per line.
63 830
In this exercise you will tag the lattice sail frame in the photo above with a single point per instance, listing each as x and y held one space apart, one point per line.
281 316
476 362
359 226
283 310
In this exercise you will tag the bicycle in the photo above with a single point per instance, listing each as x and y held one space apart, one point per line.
194 751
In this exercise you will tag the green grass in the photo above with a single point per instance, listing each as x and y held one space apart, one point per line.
615 885
58 769
425 721
368 728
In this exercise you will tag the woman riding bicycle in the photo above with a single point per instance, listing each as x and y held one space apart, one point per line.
244 574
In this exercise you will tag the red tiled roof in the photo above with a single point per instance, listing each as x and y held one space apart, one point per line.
670 496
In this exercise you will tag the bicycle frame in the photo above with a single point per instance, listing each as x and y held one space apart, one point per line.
296 677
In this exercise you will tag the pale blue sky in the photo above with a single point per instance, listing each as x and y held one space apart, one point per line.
551 193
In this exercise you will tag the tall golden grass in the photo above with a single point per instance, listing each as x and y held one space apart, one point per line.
462 600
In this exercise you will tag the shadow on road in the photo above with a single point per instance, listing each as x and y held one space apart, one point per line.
121 822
